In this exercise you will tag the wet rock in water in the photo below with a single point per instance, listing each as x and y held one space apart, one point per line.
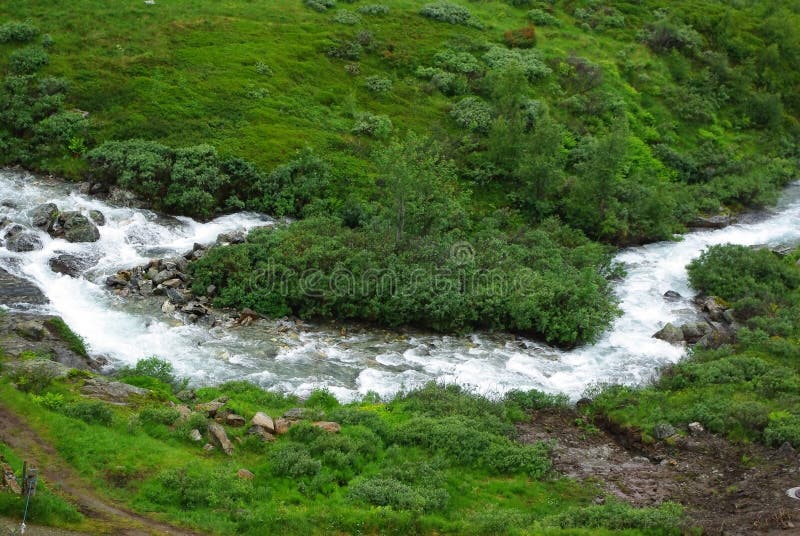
262 433
167 307
176 296
16 291
663 430
694 331
717 221
233 237
671 295
218 433
163 275
146 287
75 227
8 203
265 421
247 316
71 265
97 217
44 216
670 333
21 240
116 281
194 308
114 392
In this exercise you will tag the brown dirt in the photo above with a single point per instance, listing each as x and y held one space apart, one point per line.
111 518
727 488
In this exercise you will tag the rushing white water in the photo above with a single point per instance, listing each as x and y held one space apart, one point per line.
355 362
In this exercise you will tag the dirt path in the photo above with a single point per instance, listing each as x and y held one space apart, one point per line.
114 518
726 488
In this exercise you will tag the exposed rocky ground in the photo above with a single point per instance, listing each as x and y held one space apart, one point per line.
727 488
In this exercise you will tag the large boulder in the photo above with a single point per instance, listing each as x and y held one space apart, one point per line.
15 291
77 228
714 308
211 408
71 265
694 331
97 217
670 333
21 240
718 221
265 421
221 438
114 392
44 216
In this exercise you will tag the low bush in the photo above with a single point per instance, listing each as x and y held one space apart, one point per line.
528 60
27 60
447 12
342 16
293 460
782 427
376 126
472 113
17 32
669 518
89 411
524 37
159 415
320 5
374 9
540 17
378 84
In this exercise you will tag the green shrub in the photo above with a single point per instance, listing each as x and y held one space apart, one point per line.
378 84
534 400
376 126
159 415
90 411
446 82
155 367
451 13
51 401
293 460
472 113
669 517
378 491
458 62
782 427
290 187
666 35
542 18
321 399
27 60
33 377
320 5
374 9
342 16
19 32
528 61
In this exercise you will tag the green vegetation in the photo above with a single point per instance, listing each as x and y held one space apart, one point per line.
749 391
623 122
75 342
429 461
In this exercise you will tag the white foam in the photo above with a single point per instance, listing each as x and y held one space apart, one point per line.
350 366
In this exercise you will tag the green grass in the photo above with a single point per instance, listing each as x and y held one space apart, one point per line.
155 470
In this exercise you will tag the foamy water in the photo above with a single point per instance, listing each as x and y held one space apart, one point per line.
354 362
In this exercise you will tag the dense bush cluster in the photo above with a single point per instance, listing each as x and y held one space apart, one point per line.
448 12
377 126
17 32
374 9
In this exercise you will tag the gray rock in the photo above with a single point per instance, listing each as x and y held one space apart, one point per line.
8 203
186 395
244 474
44 216
31 330
729 316
671 295
695 428
211 408
194 435
116 281
121 197
172 283
717 221
114 392
264 434
694 331
176 296
265 421
218 433
167 307
715 310
233 419
669 333
16 291
146 287
71 265
75 227
97 217
21 240
663 431
233 237
194 308
295 414
163 275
